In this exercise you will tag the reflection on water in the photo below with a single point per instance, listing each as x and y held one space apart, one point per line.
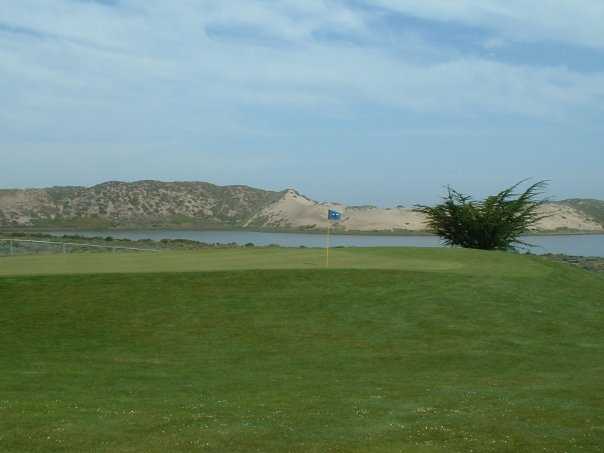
583 245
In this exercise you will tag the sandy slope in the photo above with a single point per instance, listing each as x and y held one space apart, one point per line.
561 216
294 210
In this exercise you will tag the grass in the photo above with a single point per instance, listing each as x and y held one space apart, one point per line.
391 350
274 258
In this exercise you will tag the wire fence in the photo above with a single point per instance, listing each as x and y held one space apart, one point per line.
13 247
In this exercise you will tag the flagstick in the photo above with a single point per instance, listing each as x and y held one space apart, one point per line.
327 246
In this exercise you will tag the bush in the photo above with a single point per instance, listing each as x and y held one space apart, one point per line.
494 223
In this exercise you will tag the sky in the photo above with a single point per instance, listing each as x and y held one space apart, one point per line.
379 102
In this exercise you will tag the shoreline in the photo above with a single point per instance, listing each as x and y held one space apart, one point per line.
586 262
387 233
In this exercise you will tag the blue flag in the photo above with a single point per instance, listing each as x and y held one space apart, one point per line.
334 215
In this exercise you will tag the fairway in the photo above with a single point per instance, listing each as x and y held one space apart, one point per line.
266 350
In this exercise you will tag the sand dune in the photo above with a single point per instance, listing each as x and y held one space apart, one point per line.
294 210
154 203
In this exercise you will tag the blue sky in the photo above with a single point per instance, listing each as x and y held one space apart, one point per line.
364 102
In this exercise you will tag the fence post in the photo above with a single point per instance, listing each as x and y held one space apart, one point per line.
10 247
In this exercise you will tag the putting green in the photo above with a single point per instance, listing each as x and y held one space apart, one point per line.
409 259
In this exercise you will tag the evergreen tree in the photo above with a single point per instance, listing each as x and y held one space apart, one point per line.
494 223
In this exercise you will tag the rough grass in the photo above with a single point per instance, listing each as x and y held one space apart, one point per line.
438 351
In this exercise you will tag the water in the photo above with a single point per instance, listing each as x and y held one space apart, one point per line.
581 245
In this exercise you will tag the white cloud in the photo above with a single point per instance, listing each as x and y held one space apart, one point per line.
148 69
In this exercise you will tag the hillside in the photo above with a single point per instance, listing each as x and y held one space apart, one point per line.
154 204
593 209
294 210
142 203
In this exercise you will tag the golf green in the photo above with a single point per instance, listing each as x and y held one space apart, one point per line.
388 350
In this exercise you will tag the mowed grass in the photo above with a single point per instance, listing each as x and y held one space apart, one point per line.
271 258
391 350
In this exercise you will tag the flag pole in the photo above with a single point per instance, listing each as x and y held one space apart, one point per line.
327 244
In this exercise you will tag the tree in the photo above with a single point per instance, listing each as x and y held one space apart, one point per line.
494 223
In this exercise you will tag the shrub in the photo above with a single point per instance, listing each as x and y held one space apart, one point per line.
494 223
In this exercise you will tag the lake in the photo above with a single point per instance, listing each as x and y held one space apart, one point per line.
581 245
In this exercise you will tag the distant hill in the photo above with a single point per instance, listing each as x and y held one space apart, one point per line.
593 209
155 204
136 204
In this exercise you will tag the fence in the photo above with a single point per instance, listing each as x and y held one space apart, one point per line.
28 246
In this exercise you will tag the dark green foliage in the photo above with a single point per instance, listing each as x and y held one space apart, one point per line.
494 223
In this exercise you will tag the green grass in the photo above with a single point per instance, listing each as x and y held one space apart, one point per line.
275 258
391 350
